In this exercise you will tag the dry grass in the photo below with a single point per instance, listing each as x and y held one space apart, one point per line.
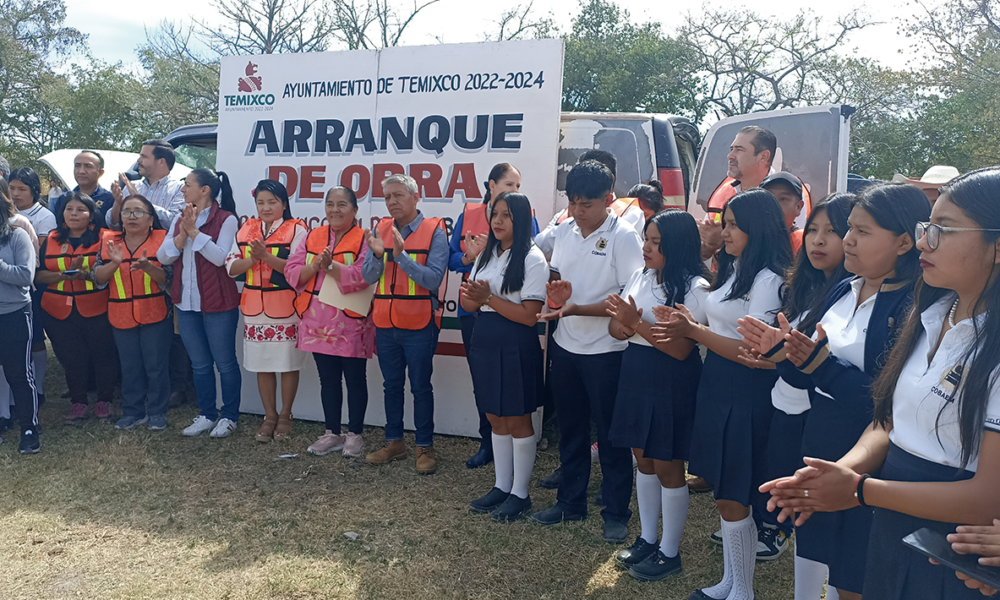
110 514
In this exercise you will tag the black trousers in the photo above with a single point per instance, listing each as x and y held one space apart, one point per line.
468 323
85 343
584 387
353 370
15 358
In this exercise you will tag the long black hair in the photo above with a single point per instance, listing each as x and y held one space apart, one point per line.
897 207
149 208
975 193
216 183
496 174
6 212
92 234
650 194
277 189
28 177
680 245
808 286
520 215
758 215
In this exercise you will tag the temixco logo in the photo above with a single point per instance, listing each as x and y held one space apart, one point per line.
251 82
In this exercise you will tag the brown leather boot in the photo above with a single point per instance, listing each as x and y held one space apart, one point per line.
394 450
426 465
698 485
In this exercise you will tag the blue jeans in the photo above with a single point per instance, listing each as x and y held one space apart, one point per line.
144 353
210 338
399 350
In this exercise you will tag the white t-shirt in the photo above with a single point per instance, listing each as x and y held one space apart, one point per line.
786 398
847 328
536 275
924 386
647 293
763 302
41 219
597 265
546 238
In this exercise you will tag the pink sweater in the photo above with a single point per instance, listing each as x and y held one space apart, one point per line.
323 328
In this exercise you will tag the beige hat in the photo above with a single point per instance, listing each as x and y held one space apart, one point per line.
934 178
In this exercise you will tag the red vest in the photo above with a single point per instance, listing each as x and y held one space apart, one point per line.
58 298
399 302
346 253
264 290
721 195
217 289
473 221
135 299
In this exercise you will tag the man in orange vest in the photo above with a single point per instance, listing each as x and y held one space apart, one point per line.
407 262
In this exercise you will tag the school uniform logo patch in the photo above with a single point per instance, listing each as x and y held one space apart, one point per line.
602 244
950 381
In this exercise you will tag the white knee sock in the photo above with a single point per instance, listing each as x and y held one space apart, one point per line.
524 464
675 503
40 361
742 535
503 460
832 593
647 491
809 578
721 590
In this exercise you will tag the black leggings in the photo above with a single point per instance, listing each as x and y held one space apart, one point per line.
84 344
354 371
15 358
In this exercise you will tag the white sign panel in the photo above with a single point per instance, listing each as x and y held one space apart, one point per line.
444 115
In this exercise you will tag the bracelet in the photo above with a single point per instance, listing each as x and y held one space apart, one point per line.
637 323
487 301
860 490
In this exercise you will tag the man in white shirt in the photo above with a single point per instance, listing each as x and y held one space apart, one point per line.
593 256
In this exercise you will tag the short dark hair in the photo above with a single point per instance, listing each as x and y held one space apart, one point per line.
762 140
602 156
162 149
100 159
589 180
28 177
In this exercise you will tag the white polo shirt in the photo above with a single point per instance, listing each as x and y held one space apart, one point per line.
634 216
597 265
536 275
926 385
647 293
786 398
847 328
763 302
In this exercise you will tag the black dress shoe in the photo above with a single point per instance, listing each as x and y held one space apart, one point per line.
491 500
615 532
656 567
636 553
481 458
512 509
556 514
553 481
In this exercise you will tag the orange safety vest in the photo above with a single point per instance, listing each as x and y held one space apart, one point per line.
473 220
59 298
135 299
266 291
620 205
346 252
399 302
721 195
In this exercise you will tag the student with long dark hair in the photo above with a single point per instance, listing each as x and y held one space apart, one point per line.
205 296
654 414
858 325
931 458
76 307
270 321
140 315
733 413
507 288
650 195
17 269
467 241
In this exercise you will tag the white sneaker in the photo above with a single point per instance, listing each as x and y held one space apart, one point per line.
223 429
200 425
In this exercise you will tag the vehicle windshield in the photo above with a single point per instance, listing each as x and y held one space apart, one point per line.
195 157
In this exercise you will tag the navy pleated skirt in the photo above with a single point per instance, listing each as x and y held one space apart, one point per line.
896 572
784 444
731 423
506 365
654 409
839 539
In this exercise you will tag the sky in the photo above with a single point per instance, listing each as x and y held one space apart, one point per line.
116 28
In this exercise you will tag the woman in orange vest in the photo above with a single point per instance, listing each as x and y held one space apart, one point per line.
139 313
76 307
341 341
270 323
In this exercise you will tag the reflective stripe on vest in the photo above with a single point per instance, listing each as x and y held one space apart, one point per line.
265 290
135 298
405 304
59 299
347 250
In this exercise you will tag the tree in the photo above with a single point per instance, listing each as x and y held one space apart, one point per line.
751 63
268 27
519 23
355 20
614 65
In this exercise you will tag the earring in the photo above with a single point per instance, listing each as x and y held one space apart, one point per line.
91 227
65 226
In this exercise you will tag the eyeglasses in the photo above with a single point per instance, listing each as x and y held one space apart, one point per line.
138 214
933 232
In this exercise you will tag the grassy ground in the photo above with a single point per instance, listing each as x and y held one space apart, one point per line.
110 514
